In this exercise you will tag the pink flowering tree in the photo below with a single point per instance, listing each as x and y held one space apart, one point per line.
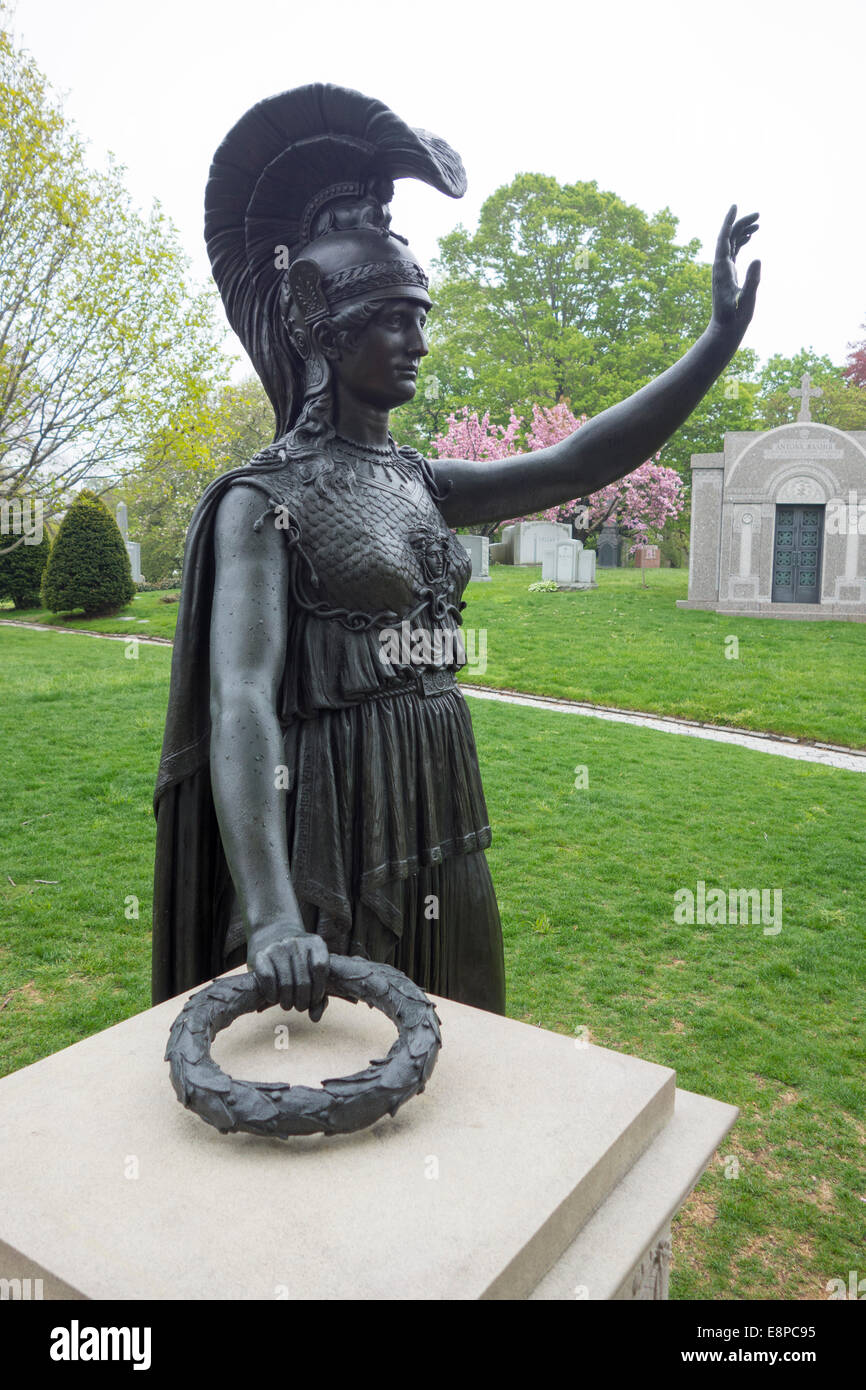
467 437
855 368
638 504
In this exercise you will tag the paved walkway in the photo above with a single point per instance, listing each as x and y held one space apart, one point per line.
833 755
86 632
830 754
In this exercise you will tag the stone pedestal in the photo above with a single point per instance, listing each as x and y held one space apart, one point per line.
534 1165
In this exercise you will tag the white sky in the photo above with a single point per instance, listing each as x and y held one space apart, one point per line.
679 103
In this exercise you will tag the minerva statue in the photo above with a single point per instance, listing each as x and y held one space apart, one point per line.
314 795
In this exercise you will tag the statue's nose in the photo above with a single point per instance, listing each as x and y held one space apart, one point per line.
418 342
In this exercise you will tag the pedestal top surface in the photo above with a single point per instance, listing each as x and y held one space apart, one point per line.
474 1189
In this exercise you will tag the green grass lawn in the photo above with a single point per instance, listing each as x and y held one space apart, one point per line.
621 644
586 880
147 615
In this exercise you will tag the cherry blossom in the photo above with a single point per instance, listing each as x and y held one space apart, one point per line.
638 504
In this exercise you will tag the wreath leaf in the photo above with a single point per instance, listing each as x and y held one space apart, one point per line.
343 1104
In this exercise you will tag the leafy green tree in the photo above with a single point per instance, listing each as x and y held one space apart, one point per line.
179 464
102 340
21 570
842 404
565 293
88 566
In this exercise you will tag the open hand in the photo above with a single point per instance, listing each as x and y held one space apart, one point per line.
733 306
291 966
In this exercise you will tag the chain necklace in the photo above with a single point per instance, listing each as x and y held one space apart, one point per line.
380 450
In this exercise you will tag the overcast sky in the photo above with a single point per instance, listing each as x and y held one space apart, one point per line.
684 104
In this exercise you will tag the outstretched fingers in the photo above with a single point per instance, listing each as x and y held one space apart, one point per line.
723 244
742 231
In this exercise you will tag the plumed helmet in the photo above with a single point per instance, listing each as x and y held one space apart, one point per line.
296 217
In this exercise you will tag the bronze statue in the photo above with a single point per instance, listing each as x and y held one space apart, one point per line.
315 797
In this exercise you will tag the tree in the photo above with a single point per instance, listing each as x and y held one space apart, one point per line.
21 570
179 464
855 370
842 404
89 565
565 292
640 504
102 341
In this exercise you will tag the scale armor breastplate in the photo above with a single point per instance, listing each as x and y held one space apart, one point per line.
371 548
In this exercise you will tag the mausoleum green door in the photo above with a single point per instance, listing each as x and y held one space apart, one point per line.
797 554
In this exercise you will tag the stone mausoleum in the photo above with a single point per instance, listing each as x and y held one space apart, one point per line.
779 522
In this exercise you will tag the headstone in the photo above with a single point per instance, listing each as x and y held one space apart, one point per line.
779 522
533 1166
646 557
522 541
479 552
608 551
502 551
133 549
586 569
564 563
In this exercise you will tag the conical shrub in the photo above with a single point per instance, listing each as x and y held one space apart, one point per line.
88 566
21 571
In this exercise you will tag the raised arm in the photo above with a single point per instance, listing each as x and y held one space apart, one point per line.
247 656
623 437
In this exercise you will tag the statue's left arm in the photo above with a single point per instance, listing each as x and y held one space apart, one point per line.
623 437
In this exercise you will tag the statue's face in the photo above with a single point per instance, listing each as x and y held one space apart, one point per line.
383 369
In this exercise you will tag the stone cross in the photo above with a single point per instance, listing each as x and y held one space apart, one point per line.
804 391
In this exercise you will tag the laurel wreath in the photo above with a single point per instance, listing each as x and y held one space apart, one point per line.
276 1110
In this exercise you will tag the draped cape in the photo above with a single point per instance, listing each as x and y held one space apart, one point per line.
191 878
